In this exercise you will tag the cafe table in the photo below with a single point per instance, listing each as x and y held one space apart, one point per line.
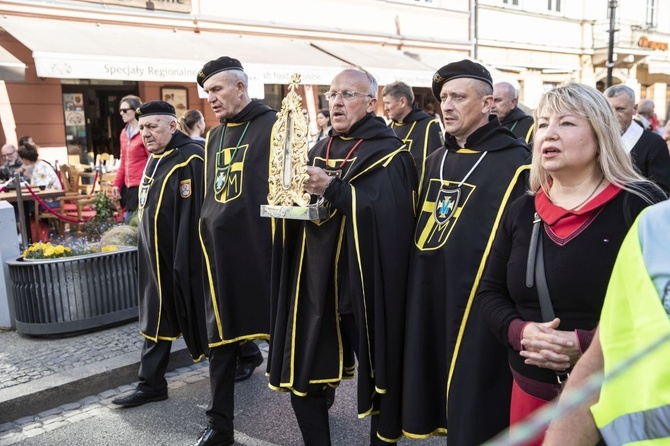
14 197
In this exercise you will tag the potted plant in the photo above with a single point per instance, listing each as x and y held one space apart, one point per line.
77 284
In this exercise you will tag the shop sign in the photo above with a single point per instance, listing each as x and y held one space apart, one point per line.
644 42
159 5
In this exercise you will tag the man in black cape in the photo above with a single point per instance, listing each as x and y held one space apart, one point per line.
338 284
452 360
506 108
420 131
169 255
236 240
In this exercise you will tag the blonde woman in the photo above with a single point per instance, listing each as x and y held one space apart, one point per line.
584 195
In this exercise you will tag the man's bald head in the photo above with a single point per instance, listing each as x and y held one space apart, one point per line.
505 99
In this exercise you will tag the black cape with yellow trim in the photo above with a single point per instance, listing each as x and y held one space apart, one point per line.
169 255
521 124
358 254
236 240
447 346
422 135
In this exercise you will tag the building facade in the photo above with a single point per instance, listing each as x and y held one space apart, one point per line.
543 43
64 65
81 57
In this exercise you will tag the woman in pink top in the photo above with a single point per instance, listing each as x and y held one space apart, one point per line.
133 157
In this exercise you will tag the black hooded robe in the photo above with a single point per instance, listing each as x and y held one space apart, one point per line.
520 124
235 239
451 357
169 255
422 135
358 254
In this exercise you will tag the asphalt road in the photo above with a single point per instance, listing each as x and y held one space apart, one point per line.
262 418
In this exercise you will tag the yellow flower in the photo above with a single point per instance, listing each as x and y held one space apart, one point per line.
59 249
109 248
49 251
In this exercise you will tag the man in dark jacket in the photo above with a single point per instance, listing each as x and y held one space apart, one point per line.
648 150
169 255
417 129
338 284
236 240
451 359
505 106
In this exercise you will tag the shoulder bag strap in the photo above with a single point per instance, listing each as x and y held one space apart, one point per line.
535 270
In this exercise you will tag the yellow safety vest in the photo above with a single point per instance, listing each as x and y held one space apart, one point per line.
634 408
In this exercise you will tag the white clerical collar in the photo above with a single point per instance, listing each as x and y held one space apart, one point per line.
632 135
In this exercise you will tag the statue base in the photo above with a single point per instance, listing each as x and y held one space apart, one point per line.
311 212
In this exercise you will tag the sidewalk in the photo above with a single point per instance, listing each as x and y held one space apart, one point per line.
37 374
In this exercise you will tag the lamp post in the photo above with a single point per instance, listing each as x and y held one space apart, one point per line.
610 53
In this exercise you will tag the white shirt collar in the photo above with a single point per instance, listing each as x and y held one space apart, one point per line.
632 135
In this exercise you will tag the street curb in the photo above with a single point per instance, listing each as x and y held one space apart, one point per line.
72 385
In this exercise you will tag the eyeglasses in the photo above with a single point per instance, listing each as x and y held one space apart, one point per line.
346 95
125 110
7 155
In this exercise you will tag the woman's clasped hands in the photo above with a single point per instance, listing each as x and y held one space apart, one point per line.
547 347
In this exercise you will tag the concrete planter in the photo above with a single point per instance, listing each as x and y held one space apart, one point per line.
72 294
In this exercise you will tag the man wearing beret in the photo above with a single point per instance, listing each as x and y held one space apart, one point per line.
451 359
338 284
235 239
169 255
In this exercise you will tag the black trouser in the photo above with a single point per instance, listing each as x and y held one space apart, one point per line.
249 352
312 410
153 364
222 364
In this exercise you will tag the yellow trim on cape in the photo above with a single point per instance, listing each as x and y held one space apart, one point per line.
480 271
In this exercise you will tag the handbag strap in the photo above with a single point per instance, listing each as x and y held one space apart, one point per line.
535 270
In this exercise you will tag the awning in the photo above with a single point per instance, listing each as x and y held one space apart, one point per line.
82 50
11 68
87 50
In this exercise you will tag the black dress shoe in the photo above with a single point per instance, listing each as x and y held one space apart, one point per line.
211 437
246 367
137 398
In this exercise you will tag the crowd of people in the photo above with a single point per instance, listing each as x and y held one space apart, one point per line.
461 275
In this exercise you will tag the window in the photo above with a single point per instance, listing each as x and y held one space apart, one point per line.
554 5
511 2
651 13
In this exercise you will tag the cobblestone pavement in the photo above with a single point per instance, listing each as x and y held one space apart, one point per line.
52 419
24 359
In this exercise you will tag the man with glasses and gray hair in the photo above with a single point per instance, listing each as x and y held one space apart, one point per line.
11 163
338 283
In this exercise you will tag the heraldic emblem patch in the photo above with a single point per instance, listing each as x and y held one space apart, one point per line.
185 188
440 210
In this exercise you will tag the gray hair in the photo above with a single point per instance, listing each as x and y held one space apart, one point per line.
374 86
645 107
399 90
618 90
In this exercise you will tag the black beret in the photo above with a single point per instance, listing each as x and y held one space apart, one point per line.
462 68
155 108
216 66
